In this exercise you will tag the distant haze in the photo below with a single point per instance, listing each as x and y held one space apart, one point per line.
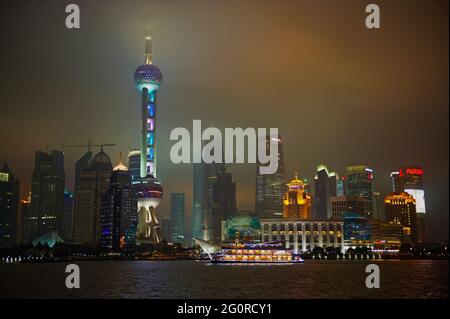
339 93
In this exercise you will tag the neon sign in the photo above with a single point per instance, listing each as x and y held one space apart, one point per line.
412 171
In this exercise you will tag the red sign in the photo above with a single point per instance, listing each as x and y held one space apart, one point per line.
414 171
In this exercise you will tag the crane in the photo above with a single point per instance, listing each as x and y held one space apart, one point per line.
89 145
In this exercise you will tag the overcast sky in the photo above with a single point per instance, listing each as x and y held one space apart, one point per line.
339 93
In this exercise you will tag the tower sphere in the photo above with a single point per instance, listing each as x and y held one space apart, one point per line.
148 76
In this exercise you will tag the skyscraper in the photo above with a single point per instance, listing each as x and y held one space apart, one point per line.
270 187
340 205
204 177
409 179
24 221
401 210
177 217
119 215
224 202
359 182
378 206
199 193
67 230
93 181
134 165
148 78
47 193
9 207
325 186
296 202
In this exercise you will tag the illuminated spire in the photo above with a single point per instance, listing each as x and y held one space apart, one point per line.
148 48
120 166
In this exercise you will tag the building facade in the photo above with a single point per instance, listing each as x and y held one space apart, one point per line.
297 204
92 182
134 165
340 205
400 209
9 207
177 217
67 230
224 202
325 186
304 235
47 193
409 179
270 187
118 214
359 182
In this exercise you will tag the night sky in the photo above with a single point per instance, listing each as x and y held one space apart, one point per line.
339 93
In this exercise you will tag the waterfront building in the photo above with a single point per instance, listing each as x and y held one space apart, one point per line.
118 213
359 182
177 217
340 205
270 187
400 209
134 165
244 226
296 201
149 190
409 179
93 181
386 237
9 207
325 186
47 193
357 231
303 235
224 202
22 221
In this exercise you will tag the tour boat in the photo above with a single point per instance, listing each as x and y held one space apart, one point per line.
261 253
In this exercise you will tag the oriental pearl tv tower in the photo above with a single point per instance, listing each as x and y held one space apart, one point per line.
148 78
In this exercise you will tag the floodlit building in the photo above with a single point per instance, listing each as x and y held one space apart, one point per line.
401 210
304 235
296 202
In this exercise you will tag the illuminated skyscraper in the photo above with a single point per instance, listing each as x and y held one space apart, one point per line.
270 187
148 78
324 188
296 202
400 209
118 216
409 179
9 207
359 182
134 165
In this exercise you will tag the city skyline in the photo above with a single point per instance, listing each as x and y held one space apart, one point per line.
348 87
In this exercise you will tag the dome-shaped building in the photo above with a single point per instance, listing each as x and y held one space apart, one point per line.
244 226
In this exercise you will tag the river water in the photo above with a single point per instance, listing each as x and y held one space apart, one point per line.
199 279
